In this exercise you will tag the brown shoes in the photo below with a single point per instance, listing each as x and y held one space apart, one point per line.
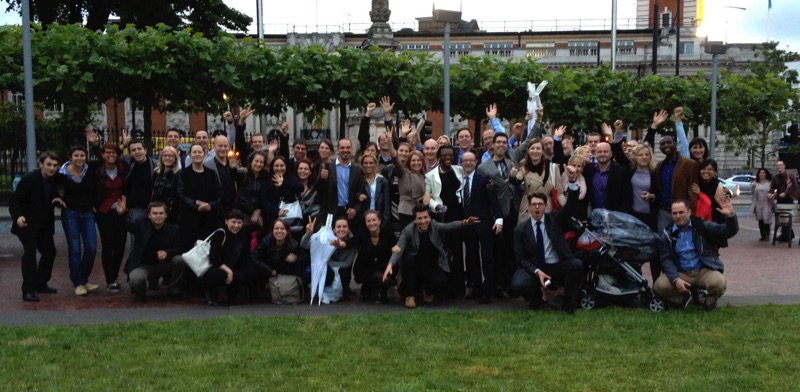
411 303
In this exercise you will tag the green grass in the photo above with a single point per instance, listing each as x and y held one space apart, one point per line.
733 348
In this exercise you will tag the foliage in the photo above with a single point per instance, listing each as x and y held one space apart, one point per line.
205 16
733 348
179 69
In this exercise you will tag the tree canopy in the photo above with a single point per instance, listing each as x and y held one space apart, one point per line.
205 16
180 69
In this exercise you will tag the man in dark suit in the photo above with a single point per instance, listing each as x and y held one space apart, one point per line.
481 202
609 183
156 245
31 208
345 183
543 253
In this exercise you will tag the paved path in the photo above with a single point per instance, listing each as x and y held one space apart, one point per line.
757 273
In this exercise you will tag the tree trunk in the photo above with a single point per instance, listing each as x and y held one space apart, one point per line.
98 13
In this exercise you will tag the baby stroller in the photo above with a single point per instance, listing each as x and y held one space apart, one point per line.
613 251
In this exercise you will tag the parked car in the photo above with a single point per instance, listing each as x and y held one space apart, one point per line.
731 189
743 180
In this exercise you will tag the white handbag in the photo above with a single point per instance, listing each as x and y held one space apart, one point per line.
293 210
197 257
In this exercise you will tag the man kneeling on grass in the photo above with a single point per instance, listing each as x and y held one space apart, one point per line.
688 256
155 252
423 256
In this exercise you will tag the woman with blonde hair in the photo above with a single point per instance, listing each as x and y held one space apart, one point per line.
644 186
164 181
411 184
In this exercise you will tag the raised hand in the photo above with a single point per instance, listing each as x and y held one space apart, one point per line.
513 172
607 132
572 173
405 129
277 180
658 118
560 131
244 114
725 206
22 223
273 146
310 226
126 137
387 106
677 114
91 136
491 111
285 128
618 125
370 108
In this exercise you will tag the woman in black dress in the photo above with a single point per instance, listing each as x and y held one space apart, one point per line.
200 199
373 255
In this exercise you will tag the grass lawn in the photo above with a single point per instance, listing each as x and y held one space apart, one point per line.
733 348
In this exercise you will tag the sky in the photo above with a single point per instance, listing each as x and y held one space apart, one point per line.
742 26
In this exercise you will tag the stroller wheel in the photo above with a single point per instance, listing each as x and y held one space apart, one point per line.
656 304
587 300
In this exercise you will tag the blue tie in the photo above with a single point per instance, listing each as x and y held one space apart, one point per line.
539 243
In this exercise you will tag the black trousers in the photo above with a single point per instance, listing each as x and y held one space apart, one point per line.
567 273
505 264
113 235
215 280
36 275
480 260
422 275
454 241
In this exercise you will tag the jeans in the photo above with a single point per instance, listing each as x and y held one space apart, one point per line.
79 224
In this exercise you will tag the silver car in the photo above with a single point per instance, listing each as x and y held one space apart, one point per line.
743 180
731 189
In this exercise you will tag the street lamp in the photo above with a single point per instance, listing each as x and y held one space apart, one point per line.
446 13
714 48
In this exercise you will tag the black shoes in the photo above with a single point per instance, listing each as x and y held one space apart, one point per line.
485 300
46 290
30 297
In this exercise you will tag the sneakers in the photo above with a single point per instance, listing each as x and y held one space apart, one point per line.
685 301
91 286
81 290
115 287
411 303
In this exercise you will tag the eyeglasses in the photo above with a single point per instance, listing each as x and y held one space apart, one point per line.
536 204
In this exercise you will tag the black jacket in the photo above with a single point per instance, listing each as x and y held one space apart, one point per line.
170 242
30 201
554 222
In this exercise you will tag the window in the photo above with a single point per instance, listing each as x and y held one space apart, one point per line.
501 49
57 107
582 48
355 46
687 47
414 47
460 49
625 48
666 19
541 49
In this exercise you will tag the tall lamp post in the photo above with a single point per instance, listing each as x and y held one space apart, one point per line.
714 48
27 65
447 14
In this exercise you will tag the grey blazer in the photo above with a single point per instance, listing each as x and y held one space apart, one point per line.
409 242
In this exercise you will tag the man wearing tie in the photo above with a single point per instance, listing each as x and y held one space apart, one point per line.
543 253
481 202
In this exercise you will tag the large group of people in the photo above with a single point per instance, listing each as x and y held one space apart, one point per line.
439 220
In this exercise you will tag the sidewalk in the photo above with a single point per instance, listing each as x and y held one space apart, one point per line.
757 274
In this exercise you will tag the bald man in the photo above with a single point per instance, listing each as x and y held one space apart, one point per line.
608 184
225 173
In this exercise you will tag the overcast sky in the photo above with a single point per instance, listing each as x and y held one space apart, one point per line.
743 26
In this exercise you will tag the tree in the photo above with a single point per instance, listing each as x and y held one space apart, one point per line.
206 16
